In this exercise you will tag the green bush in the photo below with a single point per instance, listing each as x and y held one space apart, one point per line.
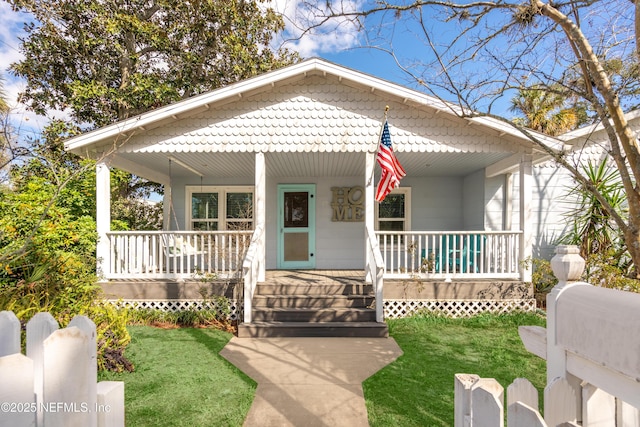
47 264
216 316
609 270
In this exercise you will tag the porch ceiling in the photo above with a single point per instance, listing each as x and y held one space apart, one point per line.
229 165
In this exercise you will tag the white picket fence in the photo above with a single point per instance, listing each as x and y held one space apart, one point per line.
592 348
55 384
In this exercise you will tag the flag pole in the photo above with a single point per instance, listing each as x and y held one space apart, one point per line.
386 110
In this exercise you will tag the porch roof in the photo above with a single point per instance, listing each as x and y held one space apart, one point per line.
213 117
302 116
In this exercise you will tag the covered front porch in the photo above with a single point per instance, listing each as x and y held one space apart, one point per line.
354 234
279 172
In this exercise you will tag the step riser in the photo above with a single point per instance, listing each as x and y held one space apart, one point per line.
313 306
317 316
337 289
310 302
250 331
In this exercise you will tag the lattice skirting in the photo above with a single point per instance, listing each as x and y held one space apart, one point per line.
178 305
394 309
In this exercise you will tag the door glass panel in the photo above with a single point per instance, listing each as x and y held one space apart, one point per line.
296 209
296 246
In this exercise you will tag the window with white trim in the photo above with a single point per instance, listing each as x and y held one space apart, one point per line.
219 208
394 212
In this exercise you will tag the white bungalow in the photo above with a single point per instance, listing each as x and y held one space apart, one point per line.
286 161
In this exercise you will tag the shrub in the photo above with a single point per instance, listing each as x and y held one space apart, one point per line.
47 263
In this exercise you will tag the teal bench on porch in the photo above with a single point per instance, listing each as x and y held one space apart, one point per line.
459 256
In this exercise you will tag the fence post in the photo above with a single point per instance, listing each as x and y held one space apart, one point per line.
521 390
110 404
16 391
560 402
598 407
39 327
626 414
87 326
462 398
9 333
520 415
66 378
487 403
567 266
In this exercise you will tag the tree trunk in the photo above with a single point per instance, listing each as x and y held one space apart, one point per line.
623 133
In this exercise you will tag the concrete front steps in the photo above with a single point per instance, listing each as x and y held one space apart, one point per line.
332 307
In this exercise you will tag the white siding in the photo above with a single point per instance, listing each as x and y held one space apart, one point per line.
473 196
494 209
317 114
550 206
436 203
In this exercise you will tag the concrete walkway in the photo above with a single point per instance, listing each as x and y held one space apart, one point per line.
309 381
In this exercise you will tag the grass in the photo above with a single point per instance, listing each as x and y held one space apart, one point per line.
417 389
180 379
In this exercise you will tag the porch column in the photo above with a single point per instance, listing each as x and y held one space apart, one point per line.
103 217
370 204
526 195
260 211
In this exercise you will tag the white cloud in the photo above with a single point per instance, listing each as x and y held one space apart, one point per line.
305 31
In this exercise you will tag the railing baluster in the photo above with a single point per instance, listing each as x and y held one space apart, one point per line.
452 254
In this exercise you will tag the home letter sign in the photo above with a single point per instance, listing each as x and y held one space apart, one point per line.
348 204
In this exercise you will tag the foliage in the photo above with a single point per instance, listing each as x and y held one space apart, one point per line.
609 270
47 262
105 61
180 379
548 111
215 313
543 280
417 389
594 229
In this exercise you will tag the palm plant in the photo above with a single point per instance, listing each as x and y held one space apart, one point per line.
545 110
594 230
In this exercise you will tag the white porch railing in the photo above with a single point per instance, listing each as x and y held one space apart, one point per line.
451 254
375 271
175 254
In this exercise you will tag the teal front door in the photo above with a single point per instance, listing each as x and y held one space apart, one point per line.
296 226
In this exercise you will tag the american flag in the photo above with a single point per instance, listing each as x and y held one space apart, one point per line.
392 171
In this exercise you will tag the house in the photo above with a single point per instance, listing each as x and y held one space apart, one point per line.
278 172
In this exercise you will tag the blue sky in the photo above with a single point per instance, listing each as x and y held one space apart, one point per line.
340 42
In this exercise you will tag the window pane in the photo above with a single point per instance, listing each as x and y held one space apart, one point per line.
391 225
392 206
240 225
240 205
204 205
205 226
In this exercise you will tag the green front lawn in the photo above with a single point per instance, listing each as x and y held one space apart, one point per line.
417 389
180 380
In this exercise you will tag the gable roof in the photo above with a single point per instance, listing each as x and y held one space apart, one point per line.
98 139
